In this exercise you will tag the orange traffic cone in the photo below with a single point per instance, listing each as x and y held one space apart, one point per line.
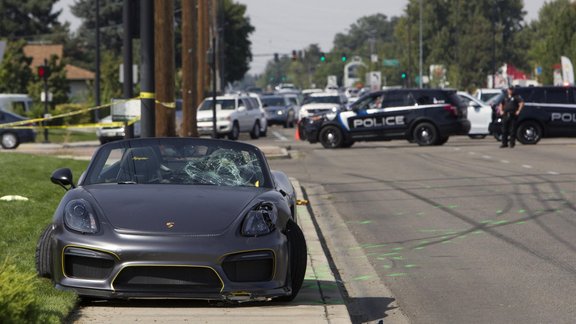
297 135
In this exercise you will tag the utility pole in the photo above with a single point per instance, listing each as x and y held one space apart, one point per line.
201 50
189 67
127 86
164 67
147 94
97 81
421 49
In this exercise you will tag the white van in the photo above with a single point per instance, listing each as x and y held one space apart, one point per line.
15 102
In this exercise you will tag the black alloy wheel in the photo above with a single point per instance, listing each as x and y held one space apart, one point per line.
425 134
529 132
331 137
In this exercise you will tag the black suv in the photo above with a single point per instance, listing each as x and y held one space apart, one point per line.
548 112
423 116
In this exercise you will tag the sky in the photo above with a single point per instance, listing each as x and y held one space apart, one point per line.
286 25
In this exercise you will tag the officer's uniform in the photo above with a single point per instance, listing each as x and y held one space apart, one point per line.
511 104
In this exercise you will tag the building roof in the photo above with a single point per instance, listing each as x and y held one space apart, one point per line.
41 52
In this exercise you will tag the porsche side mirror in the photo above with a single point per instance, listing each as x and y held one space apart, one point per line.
63 178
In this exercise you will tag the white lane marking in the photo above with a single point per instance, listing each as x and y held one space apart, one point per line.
487 157
472 153
526 166
553 172
505 161
279 136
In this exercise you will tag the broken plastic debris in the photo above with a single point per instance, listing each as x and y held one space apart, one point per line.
13 198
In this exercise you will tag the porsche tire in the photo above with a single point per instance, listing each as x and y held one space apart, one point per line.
298 256
42 255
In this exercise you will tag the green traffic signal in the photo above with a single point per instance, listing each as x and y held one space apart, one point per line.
344 58
404 75
322 57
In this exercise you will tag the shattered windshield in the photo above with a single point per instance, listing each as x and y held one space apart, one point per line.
180 161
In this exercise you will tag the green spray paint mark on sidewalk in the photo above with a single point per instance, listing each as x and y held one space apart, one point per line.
362 278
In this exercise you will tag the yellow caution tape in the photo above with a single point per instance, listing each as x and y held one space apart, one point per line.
171 105
147 95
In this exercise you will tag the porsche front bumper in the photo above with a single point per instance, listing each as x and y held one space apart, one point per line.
171 266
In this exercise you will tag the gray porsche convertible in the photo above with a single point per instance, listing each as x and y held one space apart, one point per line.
183 218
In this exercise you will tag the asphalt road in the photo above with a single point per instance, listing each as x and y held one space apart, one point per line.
462 233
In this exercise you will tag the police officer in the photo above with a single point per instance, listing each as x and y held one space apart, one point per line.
511 107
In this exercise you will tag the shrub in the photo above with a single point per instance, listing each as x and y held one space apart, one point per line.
18 299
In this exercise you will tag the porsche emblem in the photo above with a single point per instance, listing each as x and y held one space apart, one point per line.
169 225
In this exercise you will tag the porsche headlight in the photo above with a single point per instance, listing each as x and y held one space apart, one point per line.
260 220
79 216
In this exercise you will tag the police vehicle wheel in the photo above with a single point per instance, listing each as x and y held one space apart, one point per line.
529 132
425 134
331 137
498 136
301 132
442 140
9 141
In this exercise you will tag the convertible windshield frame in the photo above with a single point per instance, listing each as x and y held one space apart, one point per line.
180 161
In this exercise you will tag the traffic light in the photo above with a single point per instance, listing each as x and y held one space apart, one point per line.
276 58
43 72
294 55
404 75
322 57
344 57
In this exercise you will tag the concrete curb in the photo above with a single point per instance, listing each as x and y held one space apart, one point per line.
335 310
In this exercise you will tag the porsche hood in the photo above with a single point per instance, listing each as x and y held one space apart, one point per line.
170 209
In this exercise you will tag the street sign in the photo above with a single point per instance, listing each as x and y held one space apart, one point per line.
391 62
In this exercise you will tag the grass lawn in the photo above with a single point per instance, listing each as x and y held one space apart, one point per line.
22 222
67 135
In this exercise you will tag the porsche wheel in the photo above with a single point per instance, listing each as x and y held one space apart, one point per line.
42 255
9 141
331 137
425 134
298 256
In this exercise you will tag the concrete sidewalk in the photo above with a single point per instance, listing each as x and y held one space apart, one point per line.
319 300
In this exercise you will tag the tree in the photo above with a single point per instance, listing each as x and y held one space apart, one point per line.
110 23
236 33
468 37
554 36
27 19
57 83
15 71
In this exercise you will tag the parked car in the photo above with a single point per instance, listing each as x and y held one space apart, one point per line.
423 116
235 114
280 110
263 120
479 114
189 218
15 103
11 138
485 94
548 112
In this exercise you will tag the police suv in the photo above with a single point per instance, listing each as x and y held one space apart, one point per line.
423 116
548 112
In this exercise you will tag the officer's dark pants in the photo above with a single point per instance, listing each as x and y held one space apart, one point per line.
509 129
